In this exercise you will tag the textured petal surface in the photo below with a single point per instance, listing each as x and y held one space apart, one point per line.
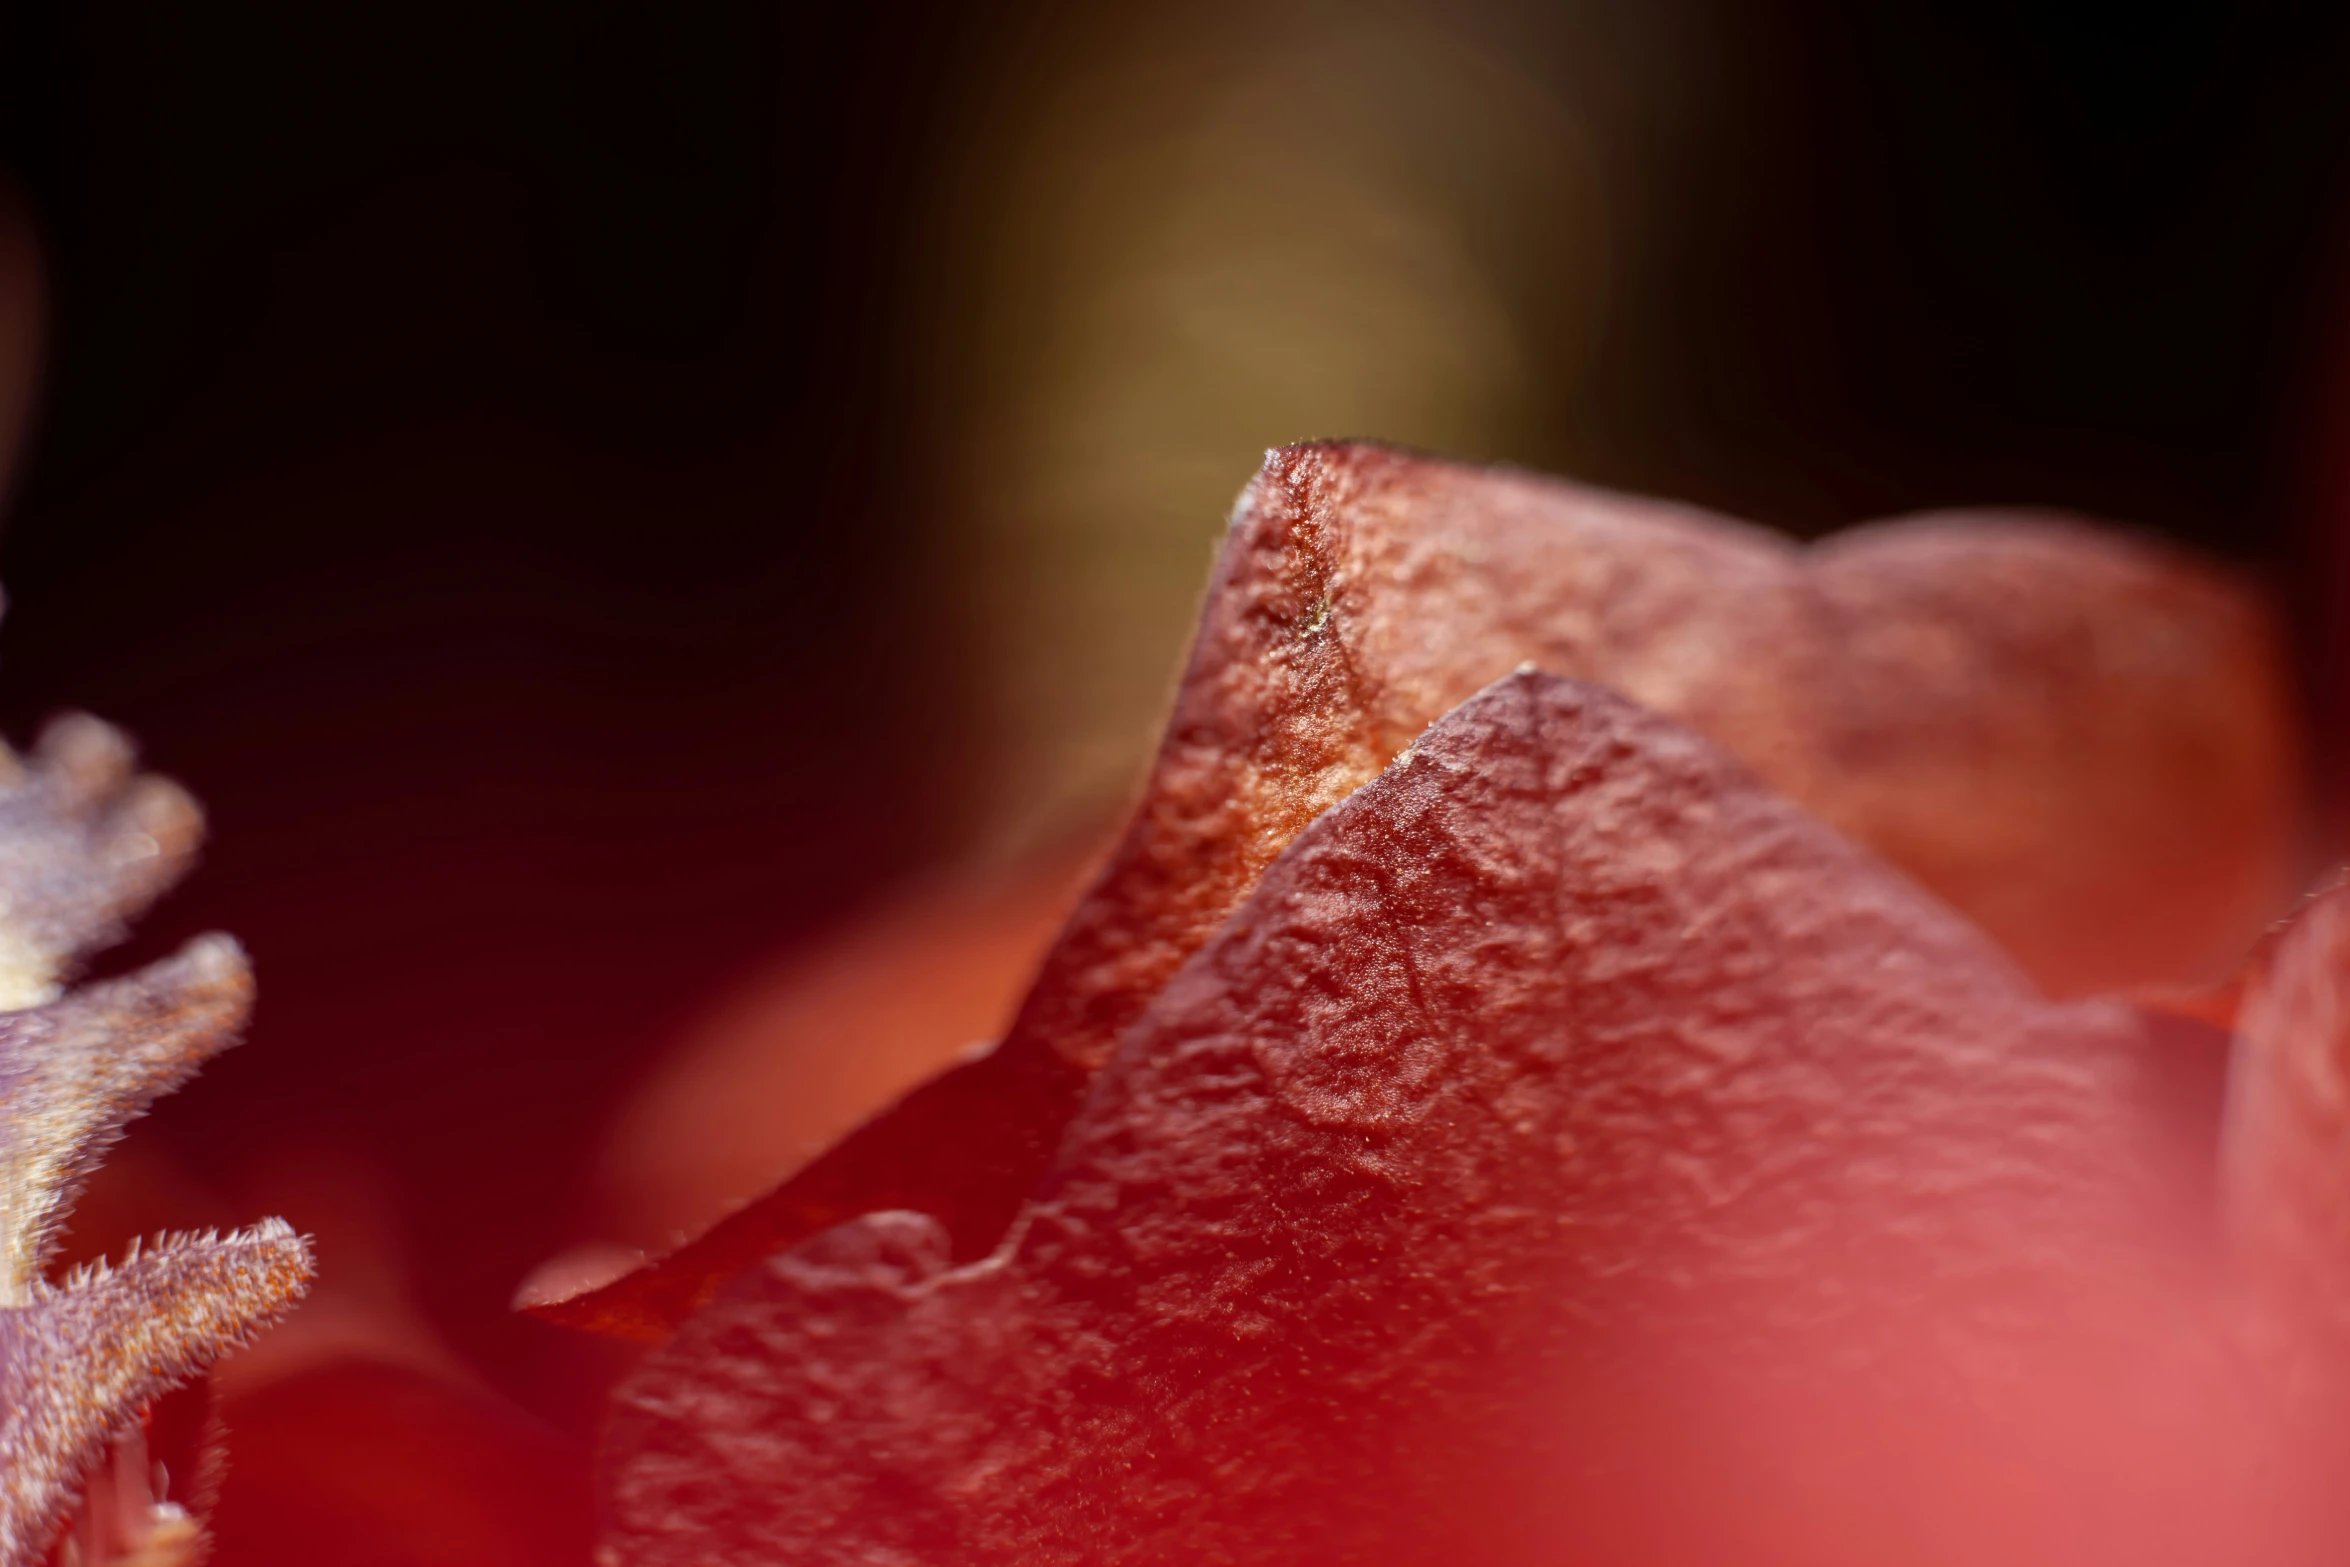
2025 714
2085 743
1560 1080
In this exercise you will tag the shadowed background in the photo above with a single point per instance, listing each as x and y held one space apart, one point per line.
588 495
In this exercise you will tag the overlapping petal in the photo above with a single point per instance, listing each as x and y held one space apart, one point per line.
2084 743
1559 1104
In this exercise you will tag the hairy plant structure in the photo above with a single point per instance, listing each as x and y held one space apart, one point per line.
85 844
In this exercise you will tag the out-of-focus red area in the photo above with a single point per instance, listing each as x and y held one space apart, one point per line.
394 1467
789 1062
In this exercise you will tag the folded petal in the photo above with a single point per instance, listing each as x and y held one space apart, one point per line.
2085 743
1557 1078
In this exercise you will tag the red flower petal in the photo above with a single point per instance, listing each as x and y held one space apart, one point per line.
2084 743
1563 1080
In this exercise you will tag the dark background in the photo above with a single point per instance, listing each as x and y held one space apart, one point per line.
483 454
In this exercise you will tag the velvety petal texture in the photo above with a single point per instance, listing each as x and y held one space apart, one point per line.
2085 743
1563 1110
